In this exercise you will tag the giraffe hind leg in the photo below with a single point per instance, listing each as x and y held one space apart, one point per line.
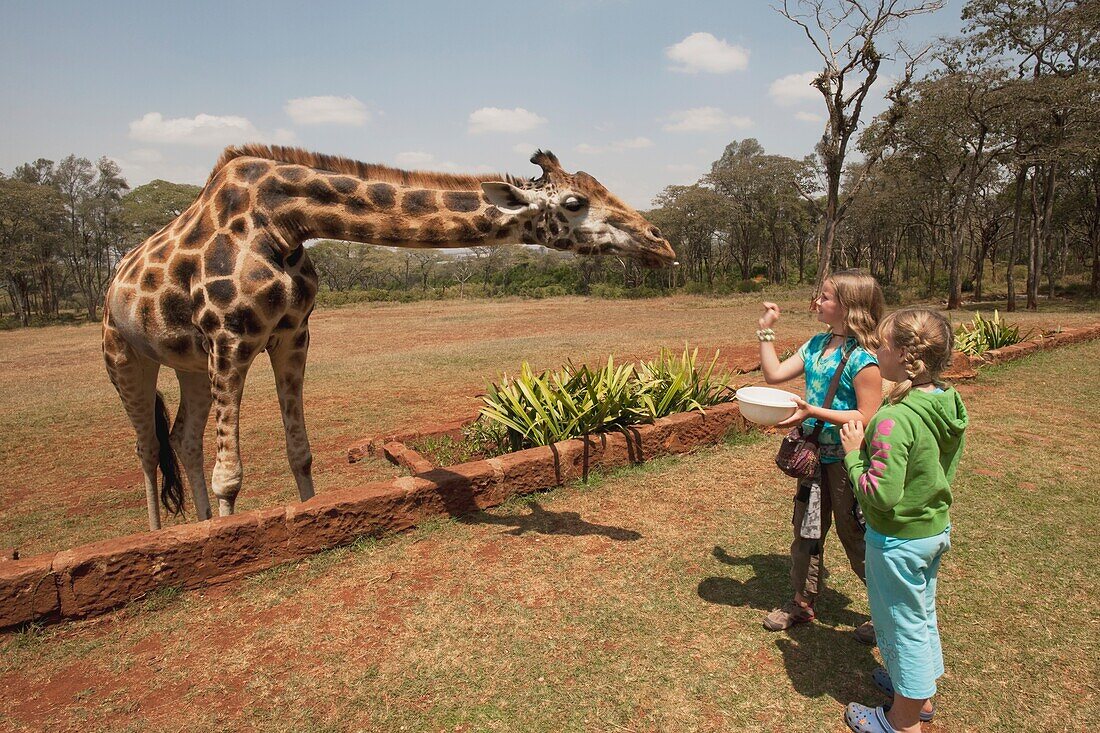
135 379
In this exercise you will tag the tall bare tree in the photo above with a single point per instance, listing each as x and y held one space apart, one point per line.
846 34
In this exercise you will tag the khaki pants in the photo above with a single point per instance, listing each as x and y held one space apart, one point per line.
837 506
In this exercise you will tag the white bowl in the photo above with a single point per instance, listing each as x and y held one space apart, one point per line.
765 405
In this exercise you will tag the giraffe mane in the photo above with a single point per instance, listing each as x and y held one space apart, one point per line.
366 171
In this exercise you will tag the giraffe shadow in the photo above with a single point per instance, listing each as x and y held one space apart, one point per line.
461 499
540 521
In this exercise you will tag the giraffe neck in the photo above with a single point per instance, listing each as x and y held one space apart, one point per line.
303 203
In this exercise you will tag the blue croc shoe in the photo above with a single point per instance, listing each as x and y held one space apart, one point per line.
881 679
863 719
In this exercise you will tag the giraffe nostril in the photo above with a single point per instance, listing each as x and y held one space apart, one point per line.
655 233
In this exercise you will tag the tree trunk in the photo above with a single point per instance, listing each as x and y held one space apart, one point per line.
1014 246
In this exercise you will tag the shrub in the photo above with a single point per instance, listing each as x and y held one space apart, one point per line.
983 335
540 409
603 290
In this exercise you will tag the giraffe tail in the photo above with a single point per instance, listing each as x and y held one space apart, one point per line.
171 489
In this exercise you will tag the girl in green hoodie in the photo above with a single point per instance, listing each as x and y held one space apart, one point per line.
902 477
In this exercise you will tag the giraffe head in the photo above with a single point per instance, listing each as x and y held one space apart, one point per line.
573 211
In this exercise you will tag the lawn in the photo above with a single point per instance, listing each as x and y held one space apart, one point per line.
632 603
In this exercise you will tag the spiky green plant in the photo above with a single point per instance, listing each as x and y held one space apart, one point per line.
985 334
539 409
669 384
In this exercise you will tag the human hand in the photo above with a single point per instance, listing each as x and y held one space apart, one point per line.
770 317
799 415
851 435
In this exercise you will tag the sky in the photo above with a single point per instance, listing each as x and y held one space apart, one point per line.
639 94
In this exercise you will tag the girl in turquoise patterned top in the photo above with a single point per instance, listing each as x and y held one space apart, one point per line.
850 304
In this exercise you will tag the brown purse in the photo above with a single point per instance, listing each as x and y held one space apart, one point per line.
800 455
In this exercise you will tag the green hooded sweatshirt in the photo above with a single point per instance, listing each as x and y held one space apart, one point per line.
902 473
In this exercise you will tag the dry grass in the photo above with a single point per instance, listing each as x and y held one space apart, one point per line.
632 603
68 473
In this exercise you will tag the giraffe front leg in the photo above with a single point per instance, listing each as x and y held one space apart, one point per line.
288 361
227 375
187 434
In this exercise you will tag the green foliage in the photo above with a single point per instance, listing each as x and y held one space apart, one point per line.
540 409
486 437
669 384
983 335
147 208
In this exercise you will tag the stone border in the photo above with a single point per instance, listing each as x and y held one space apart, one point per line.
1041 343
97 577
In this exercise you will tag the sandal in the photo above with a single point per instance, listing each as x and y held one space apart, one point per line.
881 680
862 719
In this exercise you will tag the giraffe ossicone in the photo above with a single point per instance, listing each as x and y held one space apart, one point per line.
230 278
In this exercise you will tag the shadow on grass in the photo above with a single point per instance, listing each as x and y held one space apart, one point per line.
829 661
770 588
821 658
543 522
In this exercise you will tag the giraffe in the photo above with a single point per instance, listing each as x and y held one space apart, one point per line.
230 277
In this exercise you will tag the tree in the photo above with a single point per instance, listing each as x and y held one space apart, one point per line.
147 209
952 130
691 217
844 33
462 270
1054 46
761 196
30 224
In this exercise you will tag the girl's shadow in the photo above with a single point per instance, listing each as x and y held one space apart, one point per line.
821 658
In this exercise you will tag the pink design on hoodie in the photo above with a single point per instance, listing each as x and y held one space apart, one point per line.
868 482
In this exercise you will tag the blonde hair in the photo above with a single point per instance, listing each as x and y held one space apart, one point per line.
925 339
860 293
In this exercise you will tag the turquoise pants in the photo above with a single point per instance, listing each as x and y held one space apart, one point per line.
901 588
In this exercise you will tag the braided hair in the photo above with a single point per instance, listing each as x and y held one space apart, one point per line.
925 339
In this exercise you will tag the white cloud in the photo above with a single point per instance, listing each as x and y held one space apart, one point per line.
618 146
494 119
524 149
327 110
809 117
703 52
704 119
633 143
144 155
794 88
202 129
413 158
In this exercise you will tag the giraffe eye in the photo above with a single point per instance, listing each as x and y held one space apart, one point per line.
573 203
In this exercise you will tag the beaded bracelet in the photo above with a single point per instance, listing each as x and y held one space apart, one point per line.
765 334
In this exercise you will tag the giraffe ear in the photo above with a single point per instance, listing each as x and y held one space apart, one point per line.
506 197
